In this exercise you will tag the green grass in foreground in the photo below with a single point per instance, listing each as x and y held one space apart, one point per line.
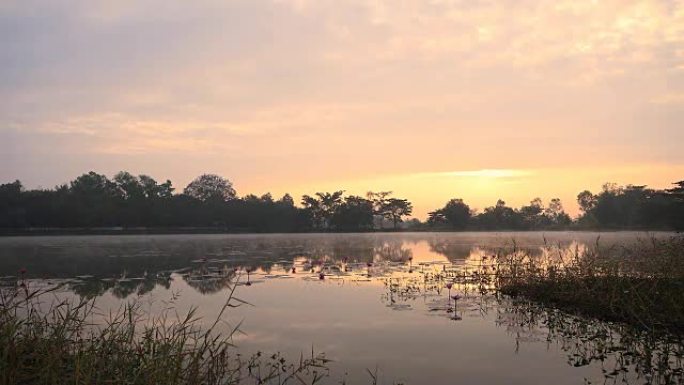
60 345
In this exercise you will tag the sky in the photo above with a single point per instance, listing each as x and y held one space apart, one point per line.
432 99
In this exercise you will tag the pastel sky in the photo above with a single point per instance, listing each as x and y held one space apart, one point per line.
436 99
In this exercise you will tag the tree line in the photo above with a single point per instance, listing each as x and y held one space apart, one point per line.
95 201
127 201
614 207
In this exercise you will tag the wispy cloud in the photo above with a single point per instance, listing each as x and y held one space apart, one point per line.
669 98
339 88
484 173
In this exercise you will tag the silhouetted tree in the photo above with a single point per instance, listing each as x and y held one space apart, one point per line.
354 214
379 200
129 186
499 217
210 187
12 212
314 210
330 202
323 207
623 207
586 201
436 219
555 213
286 200
456 214
93 200
532 214
676 193
151 189
676 196
395 209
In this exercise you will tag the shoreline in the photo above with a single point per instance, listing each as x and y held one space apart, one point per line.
212 230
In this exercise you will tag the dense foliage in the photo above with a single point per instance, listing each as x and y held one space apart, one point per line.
633 207
615 207
456 214
94 201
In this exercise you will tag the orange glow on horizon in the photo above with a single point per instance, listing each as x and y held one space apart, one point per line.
432 100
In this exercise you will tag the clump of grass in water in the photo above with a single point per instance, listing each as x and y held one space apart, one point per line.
59 345
640 284
624 354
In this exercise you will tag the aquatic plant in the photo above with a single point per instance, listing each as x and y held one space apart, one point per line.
640 284
622 353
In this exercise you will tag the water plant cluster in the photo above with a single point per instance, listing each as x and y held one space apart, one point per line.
641 284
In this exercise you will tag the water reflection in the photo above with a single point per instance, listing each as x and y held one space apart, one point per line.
135 256
418 277
623 354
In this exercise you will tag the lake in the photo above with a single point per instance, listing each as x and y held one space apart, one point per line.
367 301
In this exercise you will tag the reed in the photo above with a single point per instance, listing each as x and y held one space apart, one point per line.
61 342
641 284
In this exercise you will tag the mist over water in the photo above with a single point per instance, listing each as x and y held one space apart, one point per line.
368 301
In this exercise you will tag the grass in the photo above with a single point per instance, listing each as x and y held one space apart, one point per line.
59 343
641 284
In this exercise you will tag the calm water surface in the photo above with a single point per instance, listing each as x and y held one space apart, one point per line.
378 305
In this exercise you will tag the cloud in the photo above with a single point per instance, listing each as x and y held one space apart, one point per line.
669 98
114 133
484 173
326 87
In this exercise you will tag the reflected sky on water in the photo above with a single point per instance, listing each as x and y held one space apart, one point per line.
366 300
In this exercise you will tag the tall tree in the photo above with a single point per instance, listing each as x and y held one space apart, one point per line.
313 207
152 189
354 214
532 214
210 187
286 200
455 213
676 196
379 200
129 186
12 212
396 208
586 201
555 213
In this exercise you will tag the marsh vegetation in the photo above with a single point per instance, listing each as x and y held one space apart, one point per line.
64 342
